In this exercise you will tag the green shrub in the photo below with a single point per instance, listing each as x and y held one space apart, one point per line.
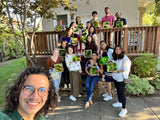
146 65
139 86
156 82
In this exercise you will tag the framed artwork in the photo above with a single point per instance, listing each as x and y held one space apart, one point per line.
62 52
87 53
58 67
106 25
73 41
103 60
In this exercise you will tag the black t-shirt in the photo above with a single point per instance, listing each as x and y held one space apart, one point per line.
122 19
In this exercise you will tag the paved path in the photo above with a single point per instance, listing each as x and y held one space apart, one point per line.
139 108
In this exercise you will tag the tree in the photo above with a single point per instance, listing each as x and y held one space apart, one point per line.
23 13
152 14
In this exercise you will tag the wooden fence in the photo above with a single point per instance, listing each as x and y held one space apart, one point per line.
133 39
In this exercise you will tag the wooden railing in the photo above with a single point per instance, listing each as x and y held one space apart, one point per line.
132 39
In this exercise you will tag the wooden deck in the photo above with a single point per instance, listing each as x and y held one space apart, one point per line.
134 40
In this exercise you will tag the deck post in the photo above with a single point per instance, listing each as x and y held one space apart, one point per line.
125 44
156 50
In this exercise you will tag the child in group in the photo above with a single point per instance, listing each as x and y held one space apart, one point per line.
74 73
107 51
65 73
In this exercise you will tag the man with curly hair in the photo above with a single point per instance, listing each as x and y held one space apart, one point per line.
30 97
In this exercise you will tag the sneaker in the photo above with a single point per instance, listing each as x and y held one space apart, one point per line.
71 97
65 85
79 95
107 98
103 76
123 112
105 94
59 99
69 85
117 104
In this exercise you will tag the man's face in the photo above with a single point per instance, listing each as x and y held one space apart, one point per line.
31 104
107 10
118 15
60 22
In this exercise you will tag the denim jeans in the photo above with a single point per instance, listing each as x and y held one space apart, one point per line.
90 84
57 82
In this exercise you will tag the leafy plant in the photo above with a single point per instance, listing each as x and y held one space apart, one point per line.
94 70
139 86
146 65
156 82
103 60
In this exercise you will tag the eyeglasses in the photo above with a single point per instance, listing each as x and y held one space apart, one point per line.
29 90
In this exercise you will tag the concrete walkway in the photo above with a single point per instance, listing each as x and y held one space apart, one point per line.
139 108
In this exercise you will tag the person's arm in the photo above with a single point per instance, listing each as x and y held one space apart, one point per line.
49 64
112 21
125 23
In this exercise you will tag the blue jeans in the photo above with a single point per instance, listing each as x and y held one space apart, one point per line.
90 84
57 82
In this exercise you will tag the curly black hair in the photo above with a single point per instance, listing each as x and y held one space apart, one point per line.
13 93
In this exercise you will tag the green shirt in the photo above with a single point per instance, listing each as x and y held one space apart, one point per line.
14 116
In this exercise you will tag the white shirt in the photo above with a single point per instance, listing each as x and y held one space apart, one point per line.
109 53
72 66
122 64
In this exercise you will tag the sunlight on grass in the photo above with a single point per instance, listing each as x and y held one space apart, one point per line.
8 73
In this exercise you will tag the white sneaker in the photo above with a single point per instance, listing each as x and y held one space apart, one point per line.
105 94
71 97
123 112
59 99
65 85
117 104
107 98
79 95
103 76
69 85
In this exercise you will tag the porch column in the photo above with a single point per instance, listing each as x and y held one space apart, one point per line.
140 10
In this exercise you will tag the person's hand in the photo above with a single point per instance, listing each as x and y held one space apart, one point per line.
101 71
114 71
80 71
76 62
109 61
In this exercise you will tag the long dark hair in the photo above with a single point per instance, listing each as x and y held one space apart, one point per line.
92 41
66 33
71 24
13 93
94 32
116 56
79 18
107 47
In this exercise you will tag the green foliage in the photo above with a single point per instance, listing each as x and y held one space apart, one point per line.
139 86
156 82
8 73
145 65
152 14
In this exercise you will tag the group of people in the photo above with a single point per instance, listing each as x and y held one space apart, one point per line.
35 91
72 69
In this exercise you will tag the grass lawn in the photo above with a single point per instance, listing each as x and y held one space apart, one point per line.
8 72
